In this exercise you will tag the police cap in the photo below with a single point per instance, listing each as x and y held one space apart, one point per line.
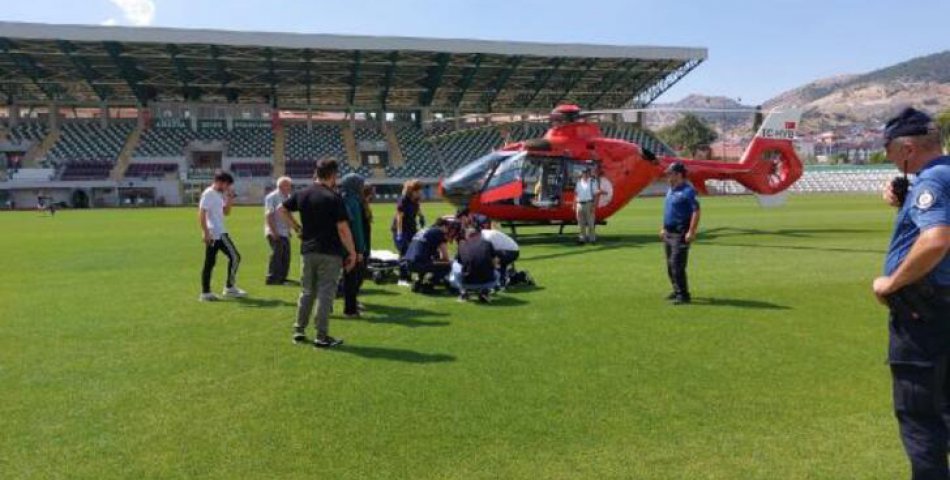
910 123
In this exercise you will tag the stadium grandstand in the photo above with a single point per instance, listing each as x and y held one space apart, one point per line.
105 116
115 115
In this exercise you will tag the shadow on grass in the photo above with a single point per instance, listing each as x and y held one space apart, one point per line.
570 239
395 354
722 232
407 317
738 303
798 247
264 302
377 291
515 290
577 250
503 301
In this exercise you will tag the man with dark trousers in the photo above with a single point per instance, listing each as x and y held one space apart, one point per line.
916 289
326 248
277 231
214 205
680 221
478 260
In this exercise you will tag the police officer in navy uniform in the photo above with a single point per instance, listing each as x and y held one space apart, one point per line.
680 221
916 289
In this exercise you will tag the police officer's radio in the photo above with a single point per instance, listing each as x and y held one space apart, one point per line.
900 186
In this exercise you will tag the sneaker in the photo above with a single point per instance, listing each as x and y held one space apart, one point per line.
234 292
463 297
681 300
299 339
484 297
404 283
671 296
327 342
208 297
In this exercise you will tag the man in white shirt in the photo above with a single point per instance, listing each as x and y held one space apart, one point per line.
277 231
215 203
506 250
603 194
584 192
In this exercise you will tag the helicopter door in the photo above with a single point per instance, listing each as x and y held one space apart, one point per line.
544 181
505 184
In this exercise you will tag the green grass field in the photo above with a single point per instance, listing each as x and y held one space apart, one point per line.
110 368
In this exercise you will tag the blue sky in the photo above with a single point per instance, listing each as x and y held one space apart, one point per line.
756 49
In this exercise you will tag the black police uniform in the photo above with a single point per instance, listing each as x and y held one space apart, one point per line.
919 325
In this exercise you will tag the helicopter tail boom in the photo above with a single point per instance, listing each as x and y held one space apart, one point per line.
769 164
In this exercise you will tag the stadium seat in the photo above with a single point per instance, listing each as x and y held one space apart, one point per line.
145 171
251 169
88 142
306 146
240 142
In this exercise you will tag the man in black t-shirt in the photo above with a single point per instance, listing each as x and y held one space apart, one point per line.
477 258
326 247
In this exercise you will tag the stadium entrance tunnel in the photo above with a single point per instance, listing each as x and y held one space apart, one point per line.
79 199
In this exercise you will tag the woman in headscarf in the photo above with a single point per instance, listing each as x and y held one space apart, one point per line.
351 188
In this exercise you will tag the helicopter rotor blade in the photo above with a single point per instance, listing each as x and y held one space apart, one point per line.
670 110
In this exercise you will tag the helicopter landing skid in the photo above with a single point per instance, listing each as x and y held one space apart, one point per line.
513 226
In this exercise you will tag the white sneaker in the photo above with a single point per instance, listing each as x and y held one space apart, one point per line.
234 292
208 297
403 283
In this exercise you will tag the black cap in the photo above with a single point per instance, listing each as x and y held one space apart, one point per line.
910 123
676 167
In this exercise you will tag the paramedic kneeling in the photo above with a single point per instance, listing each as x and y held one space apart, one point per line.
428 254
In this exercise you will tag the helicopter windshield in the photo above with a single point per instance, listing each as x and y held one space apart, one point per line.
471 178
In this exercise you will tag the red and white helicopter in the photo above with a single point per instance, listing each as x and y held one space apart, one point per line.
532 181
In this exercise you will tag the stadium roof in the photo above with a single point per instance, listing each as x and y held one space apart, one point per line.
80 65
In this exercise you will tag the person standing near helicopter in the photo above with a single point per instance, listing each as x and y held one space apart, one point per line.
585 192
405 224
680 223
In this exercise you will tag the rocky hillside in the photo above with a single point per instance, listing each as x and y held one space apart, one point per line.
871 98
696 103
867 99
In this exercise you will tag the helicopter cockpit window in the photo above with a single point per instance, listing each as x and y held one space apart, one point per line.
470 178
508 171
505 185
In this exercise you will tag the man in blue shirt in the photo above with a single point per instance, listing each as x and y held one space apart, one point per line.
916 288
680 221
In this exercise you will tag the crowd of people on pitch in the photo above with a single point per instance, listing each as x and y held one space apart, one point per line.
333 219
